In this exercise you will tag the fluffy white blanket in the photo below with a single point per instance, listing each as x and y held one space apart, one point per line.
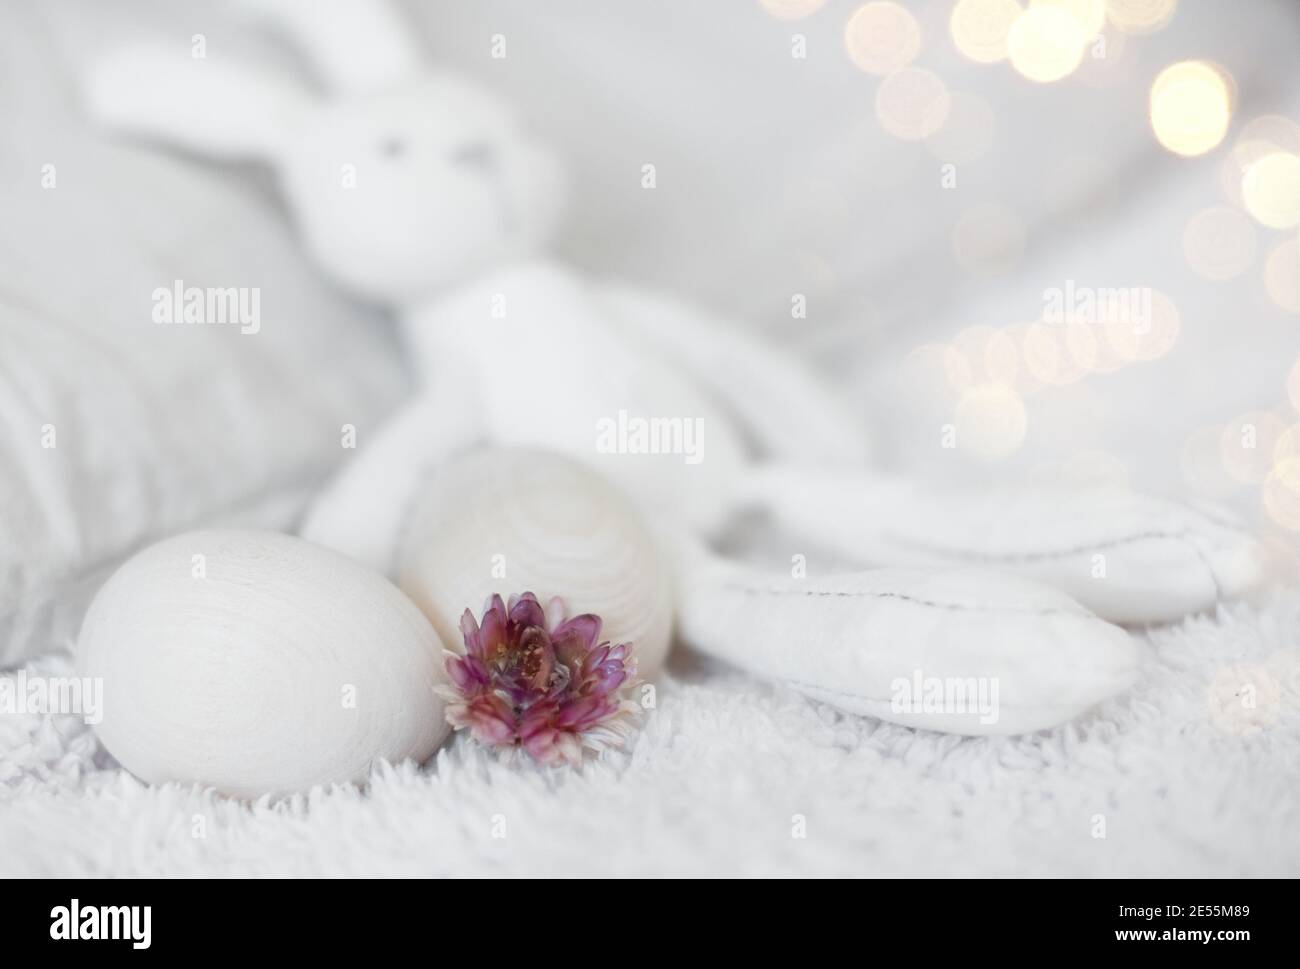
731 776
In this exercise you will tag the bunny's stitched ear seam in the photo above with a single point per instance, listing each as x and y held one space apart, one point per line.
226 110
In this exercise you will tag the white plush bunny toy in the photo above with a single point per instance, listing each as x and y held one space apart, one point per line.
417 190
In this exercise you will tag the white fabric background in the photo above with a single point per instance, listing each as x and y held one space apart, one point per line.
156 428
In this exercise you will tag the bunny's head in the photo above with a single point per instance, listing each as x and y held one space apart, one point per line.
400 178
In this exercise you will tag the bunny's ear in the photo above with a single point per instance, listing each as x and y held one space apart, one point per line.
876 642
356 46
217 108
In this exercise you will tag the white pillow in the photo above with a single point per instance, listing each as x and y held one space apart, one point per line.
155 428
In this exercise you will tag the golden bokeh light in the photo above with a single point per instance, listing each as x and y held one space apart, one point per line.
988 239
1281 494
991 421
882 37
1287 447
1083 346
1009 346
1282 275
1049 356
1114 345
1270 190
958 369
791 9
912 104
1046 44
980 28
1247 444
982 354
1147 333
967 134
1259 137
1191 106
1140 16
1119 327
1220 243
1002 358
1274 130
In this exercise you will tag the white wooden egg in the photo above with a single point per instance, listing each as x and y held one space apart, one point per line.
505 520
258 663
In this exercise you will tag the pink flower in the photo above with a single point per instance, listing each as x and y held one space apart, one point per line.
532 680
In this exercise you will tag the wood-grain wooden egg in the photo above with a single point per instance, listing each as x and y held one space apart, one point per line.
258 663
507 520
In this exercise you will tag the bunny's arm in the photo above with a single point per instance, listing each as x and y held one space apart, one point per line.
1005 655
1128 557
361 511
784 409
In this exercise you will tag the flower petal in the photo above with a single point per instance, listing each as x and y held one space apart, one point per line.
570 745
556 610
525 610
586 627
469 631
493 636
457 671
610 678
491 721
544 747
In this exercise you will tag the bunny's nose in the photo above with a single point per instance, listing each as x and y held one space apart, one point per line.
480 154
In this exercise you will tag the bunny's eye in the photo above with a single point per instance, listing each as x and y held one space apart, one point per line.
392 147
